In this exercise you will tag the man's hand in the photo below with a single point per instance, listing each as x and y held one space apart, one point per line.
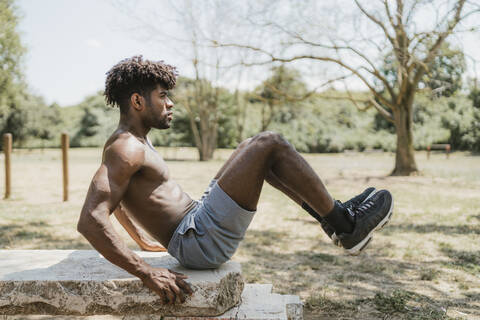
168 284
149 246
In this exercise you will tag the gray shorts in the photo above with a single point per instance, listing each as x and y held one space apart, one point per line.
209 234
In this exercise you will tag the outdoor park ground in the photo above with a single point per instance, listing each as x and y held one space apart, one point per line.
424 265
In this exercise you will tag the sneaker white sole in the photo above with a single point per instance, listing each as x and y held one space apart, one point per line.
363 244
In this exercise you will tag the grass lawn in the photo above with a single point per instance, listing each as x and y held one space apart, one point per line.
424 265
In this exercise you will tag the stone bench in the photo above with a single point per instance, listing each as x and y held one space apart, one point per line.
81 283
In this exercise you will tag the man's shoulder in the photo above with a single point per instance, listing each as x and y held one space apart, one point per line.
124 149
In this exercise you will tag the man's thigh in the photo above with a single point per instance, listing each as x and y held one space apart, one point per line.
243 175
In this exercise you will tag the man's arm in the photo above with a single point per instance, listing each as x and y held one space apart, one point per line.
137 234
121 160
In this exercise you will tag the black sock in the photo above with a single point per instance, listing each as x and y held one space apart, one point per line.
340 219
312 212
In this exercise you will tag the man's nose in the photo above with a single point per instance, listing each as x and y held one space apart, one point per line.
169 103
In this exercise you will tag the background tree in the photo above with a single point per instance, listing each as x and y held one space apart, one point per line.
96 122
208 112
11 49
474 94
278 92
443 77
414 31
193 25
11 53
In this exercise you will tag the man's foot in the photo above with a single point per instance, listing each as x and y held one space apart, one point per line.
371 215
355 201
349 204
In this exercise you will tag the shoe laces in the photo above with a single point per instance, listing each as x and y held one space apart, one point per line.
363 208
353 203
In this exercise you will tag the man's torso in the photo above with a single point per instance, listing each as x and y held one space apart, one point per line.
153 199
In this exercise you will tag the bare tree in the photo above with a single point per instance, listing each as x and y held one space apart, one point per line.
190 25
410 31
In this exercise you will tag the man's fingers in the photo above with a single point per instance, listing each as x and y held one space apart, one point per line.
178 293
170 296
161 293
185 286
162 296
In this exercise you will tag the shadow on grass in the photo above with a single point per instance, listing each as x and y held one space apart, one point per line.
468 261
430 228
417 228
38 233
266 257
378 281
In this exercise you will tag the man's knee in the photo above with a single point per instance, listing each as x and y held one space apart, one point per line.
244 143
270 139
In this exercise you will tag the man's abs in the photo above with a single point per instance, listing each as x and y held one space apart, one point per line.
159 209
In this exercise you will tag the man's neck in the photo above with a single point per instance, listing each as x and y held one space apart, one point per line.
134 126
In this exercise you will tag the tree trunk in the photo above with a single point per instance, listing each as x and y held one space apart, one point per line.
208 140
405 164
205 151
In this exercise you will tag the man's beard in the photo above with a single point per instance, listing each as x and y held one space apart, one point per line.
163 124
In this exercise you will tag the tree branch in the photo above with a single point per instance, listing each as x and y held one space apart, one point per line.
387 10
433 49
301 98
368 104
387 115
311 57
376 21
350 98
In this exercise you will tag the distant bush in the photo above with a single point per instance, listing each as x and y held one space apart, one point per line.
312 125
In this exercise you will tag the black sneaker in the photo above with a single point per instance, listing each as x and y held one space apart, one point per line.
326 227
357 200
354 202
369 216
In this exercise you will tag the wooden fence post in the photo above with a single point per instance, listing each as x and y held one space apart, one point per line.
7 150
65 146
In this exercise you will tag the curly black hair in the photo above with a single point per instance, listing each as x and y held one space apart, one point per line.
136 75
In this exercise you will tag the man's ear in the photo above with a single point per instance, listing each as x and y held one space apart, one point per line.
137 101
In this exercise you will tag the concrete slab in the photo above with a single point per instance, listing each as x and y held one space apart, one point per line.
82 282
258 303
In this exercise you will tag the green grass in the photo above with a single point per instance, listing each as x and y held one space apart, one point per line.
423 265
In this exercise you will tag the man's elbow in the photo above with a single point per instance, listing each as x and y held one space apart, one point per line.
85 224
82 226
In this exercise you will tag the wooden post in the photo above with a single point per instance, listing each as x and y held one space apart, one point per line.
447 150
428 151
7 150
65 146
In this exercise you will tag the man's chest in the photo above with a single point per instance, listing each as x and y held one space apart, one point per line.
154 166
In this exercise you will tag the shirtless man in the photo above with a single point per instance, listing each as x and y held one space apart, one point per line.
134 183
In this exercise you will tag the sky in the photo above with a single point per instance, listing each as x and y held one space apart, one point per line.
71 44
